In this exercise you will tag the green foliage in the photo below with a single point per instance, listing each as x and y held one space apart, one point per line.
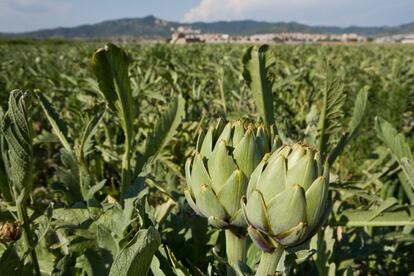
164 129
135 258
80 223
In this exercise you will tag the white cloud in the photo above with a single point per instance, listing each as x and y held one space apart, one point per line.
209 10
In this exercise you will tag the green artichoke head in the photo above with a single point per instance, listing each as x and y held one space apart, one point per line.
218 173
286 197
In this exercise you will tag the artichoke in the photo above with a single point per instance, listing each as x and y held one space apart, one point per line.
218 173
286 198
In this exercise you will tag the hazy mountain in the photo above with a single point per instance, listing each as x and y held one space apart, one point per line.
151 27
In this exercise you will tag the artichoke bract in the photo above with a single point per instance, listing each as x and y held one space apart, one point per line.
286 198
218 173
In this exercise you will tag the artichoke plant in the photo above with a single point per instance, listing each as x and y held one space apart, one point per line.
218 174
286 199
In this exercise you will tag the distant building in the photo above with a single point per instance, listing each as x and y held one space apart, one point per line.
184 34
400 38
408 39
188 35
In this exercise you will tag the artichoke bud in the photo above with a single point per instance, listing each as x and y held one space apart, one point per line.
286 196
218 174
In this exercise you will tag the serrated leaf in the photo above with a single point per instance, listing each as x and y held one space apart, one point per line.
135 258
394 140
93 263
110 66
164 129
17 131
90 129
359 110
400 217
58 125
332 110
408 168
257 61
385 205
64 267
356 119
398 145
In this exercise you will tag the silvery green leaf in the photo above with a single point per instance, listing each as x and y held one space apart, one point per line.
332 112
17 131
408 168
257 61
188 172
164 129
58 125
135 258
90 130
95 188
110 66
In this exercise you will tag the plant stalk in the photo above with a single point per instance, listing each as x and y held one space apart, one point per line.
235 251
28 239
269 261
126 169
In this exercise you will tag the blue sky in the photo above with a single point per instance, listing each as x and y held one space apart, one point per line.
25 15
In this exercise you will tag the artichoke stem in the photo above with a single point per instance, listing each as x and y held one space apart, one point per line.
235 251
269 261
28 244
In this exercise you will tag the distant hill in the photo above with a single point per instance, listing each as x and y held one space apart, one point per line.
151 27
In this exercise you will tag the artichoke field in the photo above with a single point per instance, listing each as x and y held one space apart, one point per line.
206 159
